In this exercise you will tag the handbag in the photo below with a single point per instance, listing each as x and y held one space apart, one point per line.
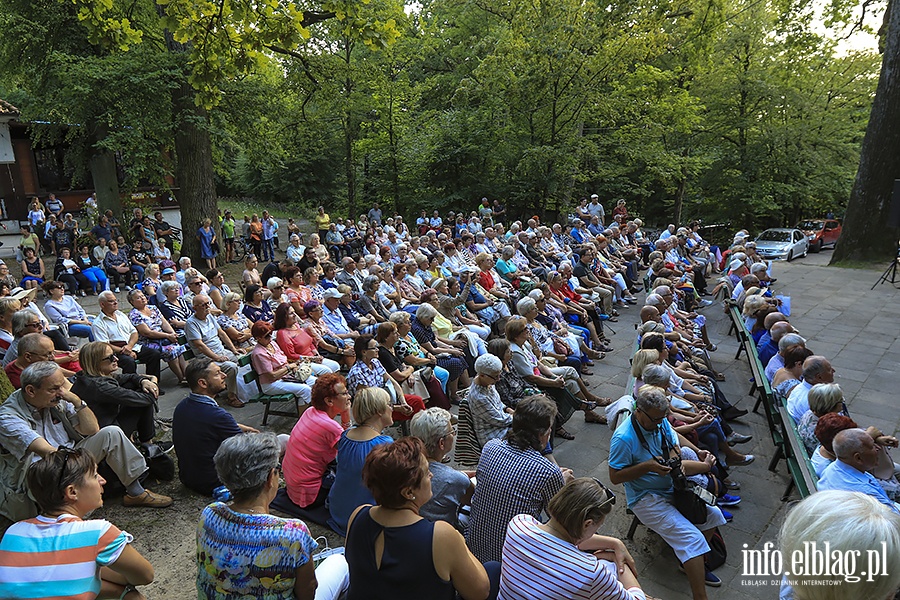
303 373
687 497
159 464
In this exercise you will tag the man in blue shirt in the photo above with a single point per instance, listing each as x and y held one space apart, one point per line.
199 425
648 484
856 455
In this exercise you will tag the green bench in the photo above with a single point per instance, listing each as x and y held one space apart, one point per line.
267 399
803 474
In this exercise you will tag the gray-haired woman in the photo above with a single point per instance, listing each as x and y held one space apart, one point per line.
242 550
369 301
451 489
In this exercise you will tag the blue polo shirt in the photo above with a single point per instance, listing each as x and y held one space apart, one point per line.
199 426
841 476
625 450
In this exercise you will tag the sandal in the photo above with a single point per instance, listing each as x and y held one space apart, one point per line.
235 402
592 417
585 372
720 376
561 432
587 406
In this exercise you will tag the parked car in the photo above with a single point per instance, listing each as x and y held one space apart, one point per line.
820 232
782 244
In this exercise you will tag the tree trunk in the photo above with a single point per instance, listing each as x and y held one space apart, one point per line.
194 171
104 174
866 235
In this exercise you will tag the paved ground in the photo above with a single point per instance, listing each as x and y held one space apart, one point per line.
833 309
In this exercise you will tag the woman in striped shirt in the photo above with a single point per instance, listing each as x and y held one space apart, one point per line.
58 554
566 558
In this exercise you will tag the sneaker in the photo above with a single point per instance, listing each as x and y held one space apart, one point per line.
167 447
148 499
729 500
728 516
127 288
116 291
748 458
737 438
710 579
83 293
732 485
703 304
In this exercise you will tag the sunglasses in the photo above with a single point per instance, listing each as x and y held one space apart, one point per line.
111 358
66 452
610 496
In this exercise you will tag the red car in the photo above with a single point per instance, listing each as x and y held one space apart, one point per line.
820 232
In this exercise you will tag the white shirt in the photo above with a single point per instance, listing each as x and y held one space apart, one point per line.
117 328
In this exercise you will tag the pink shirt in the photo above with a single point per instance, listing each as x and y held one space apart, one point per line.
313 444
264 361
296 343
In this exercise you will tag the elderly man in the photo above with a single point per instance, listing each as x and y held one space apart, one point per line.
32 348
595 209
588 280
639 451
349 275
45 415
199 425
333 317
208 339
112 326
856 455
789 340
776 328
816 369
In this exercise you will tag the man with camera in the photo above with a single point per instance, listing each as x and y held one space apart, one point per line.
644 455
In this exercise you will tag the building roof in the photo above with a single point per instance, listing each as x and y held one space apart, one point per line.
7 109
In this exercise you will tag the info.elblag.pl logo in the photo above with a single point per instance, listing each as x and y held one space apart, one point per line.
817 564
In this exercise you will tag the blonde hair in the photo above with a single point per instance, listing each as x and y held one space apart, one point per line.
226 298
641 359
368 402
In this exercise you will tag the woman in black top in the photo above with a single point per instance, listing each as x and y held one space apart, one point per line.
406 375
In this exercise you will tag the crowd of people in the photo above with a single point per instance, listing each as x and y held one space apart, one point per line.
367 325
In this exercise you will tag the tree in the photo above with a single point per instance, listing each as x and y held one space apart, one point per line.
865 235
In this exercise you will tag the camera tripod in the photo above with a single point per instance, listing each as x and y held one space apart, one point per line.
890 274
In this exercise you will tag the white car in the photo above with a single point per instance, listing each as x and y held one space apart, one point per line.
782 244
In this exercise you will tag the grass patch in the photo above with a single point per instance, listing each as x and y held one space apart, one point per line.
247 206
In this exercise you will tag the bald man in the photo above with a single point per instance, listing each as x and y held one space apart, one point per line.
768 343
856 455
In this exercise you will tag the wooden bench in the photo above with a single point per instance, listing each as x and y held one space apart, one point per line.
803 475
267 399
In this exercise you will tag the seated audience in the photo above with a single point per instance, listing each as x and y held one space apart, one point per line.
59 553
276 374
395 553
233 322
44 415
297 343
514 478
65 310
856 454
637 449
199 426
823 398
127 400
372 414
566 557
368 371
816 369
450 489
112 326
243 550
206 338
490 418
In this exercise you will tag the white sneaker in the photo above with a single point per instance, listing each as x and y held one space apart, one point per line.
116 291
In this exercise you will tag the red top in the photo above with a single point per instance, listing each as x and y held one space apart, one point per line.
296 343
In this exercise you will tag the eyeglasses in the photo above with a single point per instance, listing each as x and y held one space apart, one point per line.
66 452
36 324
656 420
610 496
111 358
454 429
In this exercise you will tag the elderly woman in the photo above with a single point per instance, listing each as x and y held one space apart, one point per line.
449 357
370 302
490 418
451 489
309 459
242 550
276 374
452 331
128 400
255 306
320 252
311 288
452 303
509 271
514 478
328 343
65 310
276 291
209 248
404 374
562 383
851 523
823 398
356 318
233 322
297 343
789 376
152 281
368 371
398 477
545 343
372 414
511 386
67 488
118 266
250 275
566 554
155 332
408 349
175 308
